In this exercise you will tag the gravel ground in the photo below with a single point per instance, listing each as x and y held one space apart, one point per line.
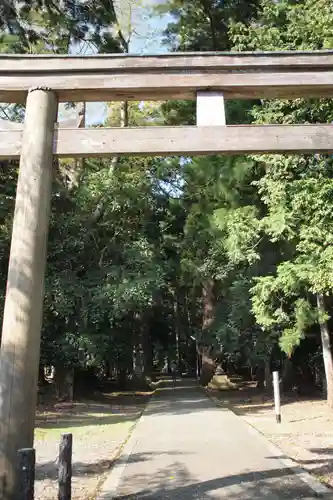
305 434
99 431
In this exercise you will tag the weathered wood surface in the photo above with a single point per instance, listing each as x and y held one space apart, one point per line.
22 316
77 121
150 141
26 471
172 76
65 467
227 60
9 125
164 86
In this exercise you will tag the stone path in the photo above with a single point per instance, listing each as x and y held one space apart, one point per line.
185 447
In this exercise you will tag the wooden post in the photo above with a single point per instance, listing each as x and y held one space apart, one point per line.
22 320
210 109
26 473
276 386
65 467
81 115
198 366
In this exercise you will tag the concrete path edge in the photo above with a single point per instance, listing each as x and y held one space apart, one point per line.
316 486
109 487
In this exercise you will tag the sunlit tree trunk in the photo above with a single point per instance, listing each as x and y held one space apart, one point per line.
205 349
326 346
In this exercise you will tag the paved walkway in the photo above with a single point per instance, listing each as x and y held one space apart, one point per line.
186 448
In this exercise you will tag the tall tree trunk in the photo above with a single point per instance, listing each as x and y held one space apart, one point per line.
64 383
79 164
147 350
121 377
177 323
326 345
260 375
206 350
287 375
268 375
142 349
138 359
207 365
41 377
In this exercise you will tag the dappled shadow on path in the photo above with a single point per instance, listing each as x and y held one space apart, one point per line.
322 451
318 466
182 399
50 470
175 482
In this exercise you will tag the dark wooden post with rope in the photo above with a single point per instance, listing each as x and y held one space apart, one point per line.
26 473
65 467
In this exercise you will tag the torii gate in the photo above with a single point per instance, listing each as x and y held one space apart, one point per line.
45 80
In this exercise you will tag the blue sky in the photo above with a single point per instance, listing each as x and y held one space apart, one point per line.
147 39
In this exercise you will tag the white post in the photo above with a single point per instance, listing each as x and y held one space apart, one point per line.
276 386
210 109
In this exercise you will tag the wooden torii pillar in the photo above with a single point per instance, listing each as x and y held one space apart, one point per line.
20 343
22 322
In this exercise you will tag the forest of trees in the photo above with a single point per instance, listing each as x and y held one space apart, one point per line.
152 259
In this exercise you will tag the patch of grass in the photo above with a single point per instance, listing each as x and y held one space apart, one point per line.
109 430
113 414
324 479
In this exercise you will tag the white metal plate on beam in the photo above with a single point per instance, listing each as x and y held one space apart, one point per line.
210 109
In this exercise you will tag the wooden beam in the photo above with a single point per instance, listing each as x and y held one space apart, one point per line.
77 121
14 63
167 141
10 143
172 76
9 125
163 86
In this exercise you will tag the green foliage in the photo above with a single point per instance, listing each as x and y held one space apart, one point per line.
41 26
240 227
135 243
296 190
286 25
203 25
